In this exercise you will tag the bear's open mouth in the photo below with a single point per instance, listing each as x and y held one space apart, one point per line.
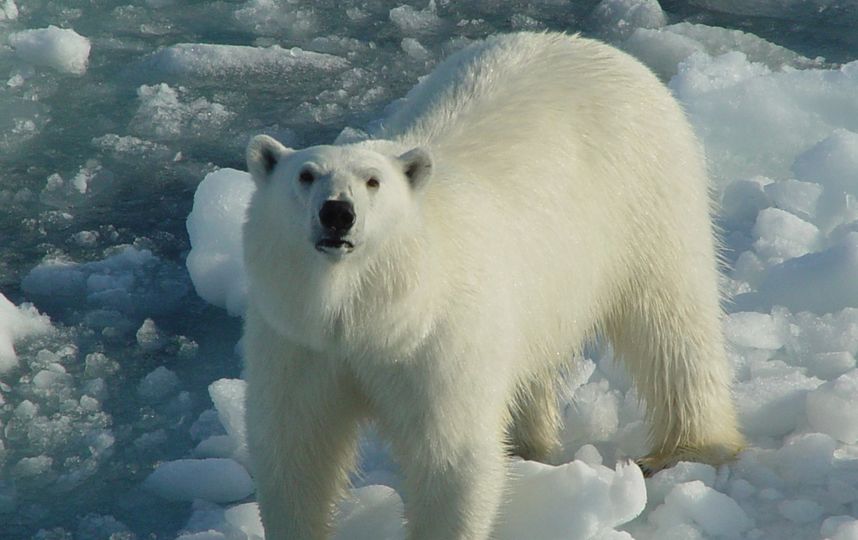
326 245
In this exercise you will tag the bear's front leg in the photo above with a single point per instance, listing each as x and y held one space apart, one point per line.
302 422
448 434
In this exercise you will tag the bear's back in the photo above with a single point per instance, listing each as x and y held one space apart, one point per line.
562 167
495 96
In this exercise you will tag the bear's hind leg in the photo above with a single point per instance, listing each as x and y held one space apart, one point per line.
670 339
535 420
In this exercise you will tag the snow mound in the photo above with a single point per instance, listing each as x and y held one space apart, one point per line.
57 48
214 225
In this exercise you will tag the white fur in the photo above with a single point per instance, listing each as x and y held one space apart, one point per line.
561 194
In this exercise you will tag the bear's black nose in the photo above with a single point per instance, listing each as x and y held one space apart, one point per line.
338 216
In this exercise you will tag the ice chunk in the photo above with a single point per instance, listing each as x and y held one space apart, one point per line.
572 501
414 49
754 330
833 408
798 198
98 365
665 480
805 459
17 323
208 61
754 121
149 338
8 10
694 503
272 18
410 20
215 446
592 415
244 519
204 535
159 384
821 282
163 115
771 405
663 49
839 528
130 281
800 510
215 480
781 235
837 11
228 398
215 262
370 513
130 148
833 162
742 201
33 466
828 365
99 527
616 19
61 49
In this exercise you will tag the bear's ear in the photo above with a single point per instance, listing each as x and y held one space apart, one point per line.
263 154
417 166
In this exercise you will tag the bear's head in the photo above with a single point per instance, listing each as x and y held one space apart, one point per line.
336 201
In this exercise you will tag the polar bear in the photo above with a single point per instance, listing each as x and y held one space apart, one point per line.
534 191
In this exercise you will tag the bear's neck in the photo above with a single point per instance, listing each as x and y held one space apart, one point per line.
384 304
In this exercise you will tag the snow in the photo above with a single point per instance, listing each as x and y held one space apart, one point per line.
61 49
119 318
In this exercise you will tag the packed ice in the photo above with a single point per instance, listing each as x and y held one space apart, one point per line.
122 128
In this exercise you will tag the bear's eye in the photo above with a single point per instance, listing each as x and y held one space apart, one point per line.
306 177
372 183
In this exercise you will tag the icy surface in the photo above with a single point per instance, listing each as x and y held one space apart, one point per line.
118 355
